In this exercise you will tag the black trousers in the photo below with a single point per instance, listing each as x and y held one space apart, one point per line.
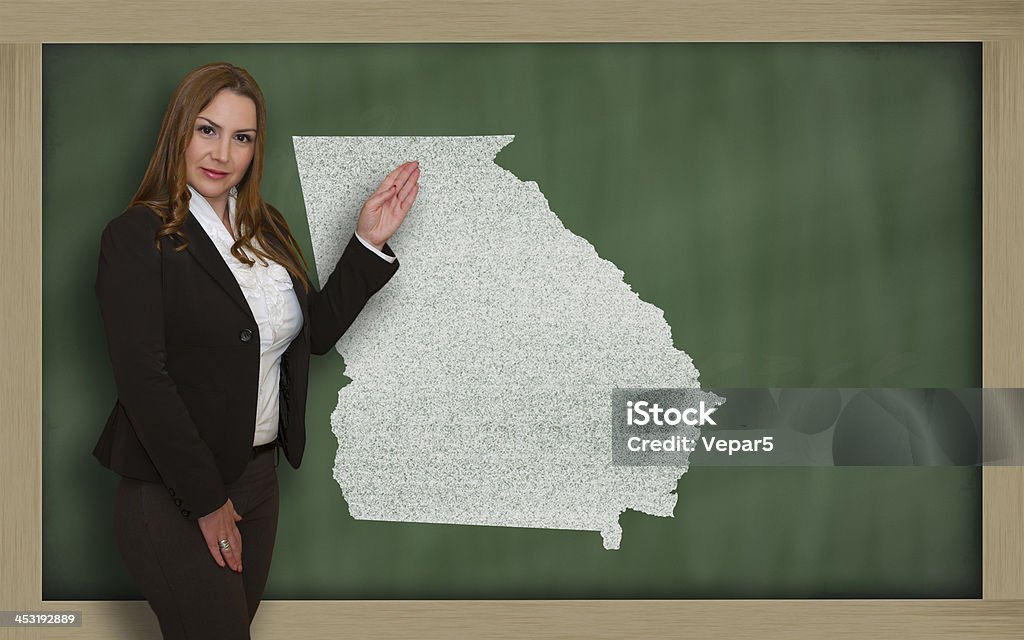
166 555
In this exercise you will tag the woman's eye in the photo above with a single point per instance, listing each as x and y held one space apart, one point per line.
242 137
205 128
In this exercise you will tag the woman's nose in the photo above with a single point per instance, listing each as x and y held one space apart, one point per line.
222 151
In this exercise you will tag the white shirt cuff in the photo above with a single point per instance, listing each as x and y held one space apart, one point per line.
375 250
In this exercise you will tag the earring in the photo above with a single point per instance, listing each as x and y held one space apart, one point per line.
233 191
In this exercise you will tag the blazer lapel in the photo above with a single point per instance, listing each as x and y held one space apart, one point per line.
300 293
205 252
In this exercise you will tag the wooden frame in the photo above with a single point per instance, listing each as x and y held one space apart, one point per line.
998 24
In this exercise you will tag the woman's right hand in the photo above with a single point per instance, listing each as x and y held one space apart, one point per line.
220 525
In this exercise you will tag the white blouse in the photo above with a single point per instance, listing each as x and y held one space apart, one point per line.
268 290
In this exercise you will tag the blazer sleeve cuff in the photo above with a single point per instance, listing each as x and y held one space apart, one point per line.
384 256
366 261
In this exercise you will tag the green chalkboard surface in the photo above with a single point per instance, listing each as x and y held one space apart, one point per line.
806 215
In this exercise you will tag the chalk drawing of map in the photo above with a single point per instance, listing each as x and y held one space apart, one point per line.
482 372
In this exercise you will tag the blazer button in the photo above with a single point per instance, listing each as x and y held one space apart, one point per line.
185 512
170 491
177 502
245 335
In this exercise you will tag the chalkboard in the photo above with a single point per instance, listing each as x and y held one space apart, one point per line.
821 204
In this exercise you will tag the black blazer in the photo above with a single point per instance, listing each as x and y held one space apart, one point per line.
184 346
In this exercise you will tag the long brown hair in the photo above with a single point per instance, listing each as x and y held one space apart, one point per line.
164 188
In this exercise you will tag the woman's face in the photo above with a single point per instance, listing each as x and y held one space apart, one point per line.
222 146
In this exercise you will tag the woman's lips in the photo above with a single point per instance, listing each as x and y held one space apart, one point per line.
215 175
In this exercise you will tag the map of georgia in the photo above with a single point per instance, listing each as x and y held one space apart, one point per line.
482 372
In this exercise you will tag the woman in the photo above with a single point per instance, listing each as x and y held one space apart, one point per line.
210 319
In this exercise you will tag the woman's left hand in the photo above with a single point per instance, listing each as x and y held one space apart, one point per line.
385 211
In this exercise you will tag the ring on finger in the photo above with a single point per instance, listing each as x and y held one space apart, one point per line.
224 545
